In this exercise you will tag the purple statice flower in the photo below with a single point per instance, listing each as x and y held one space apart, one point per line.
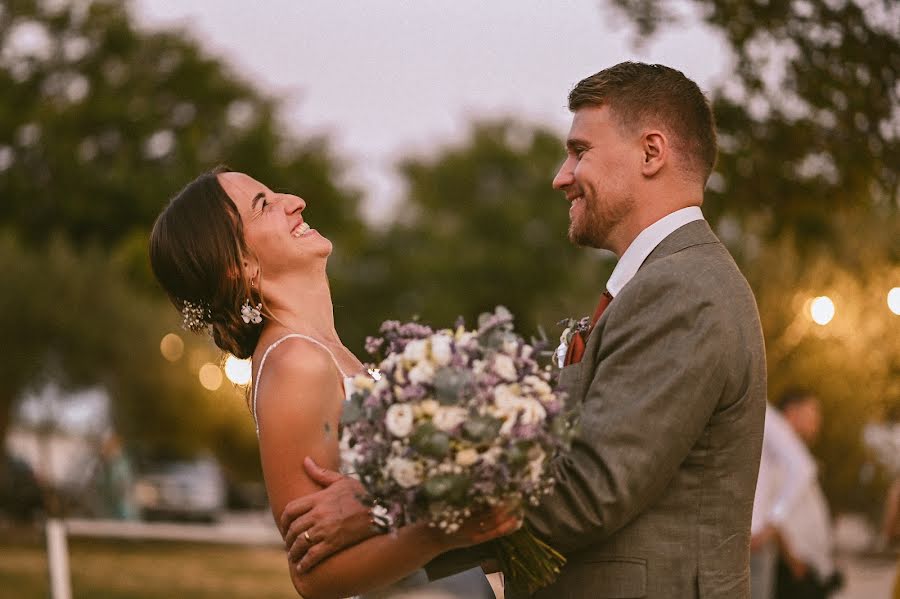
389 326
372 401
413 392
373 344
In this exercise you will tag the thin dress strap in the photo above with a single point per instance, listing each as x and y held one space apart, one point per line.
262 363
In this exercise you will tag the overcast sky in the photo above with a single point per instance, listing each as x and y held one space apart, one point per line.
389 78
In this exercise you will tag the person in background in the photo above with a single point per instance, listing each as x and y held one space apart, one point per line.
806 567
117 479
786 469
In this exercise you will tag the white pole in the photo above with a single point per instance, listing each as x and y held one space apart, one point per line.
58 560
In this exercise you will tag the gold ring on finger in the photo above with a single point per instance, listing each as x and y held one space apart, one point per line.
306 536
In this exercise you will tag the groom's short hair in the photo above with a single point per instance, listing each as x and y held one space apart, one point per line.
640 94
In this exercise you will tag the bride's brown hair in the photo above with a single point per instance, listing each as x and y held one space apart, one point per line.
196 251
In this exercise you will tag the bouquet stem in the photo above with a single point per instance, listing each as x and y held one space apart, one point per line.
527 562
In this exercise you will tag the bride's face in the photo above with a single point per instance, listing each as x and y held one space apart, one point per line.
274 228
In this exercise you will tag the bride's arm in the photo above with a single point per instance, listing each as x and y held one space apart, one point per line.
298 410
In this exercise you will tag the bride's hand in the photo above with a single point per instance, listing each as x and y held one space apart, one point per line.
482 527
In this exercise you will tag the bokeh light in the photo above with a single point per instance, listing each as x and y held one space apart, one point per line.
171 347
894 300
210 376
238 371
822 310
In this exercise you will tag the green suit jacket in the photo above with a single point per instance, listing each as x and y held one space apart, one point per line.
654 499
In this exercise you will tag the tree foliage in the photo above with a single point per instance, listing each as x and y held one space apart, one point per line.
84 325
852 363
102 122
481 226
808 116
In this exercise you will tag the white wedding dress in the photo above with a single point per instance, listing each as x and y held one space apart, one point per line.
471 584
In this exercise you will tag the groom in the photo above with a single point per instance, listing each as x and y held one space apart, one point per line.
654 499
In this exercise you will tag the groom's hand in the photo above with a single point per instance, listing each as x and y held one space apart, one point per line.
322 523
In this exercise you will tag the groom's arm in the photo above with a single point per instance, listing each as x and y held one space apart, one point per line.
657 384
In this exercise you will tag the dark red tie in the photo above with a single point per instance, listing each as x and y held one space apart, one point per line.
579 339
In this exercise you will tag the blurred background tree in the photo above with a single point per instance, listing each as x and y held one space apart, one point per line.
480 225
101 123
808 118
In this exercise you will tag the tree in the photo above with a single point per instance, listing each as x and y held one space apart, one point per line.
101 123
849 362
85 325
481 226
807 117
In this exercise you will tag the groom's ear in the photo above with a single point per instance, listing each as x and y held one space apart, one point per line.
655 152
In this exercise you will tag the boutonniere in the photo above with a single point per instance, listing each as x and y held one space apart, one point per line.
571 327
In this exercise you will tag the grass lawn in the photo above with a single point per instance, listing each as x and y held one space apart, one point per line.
104 569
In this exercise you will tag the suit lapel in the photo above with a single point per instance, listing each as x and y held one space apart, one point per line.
577 377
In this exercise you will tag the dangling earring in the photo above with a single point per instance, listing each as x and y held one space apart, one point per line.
250 314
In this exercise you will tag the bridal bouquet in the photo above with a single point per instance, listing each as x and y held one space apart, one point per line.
454 421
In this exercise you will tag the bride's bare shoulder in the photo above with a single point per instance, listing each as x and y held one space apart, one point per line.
296 373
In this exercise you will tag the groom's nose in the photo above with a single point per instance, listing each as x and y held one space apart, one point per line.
565 176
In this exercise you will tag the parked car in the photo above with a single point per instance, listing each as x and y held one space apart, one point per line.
182 490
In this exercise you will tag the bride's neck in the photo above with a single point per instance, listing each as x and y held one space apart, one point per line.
302 304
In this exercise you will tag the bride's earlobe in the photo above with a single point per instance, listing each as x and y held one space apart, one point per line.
251 270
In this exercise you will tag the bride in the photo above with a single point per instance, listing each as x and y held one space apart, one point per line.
240 261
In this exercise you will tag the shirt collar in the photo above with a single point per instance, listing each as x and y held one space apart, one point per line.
645 243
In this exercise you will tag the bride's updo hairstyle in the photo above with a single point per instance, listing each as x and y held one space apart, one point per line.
196 251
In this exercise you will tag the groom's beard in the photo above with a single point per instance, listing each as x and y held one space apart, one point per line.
597 220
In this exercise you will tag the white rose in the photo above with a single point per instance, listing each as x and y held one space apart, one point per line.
363 382
380 385
464 337
508 423
399 420
415 350
539 385
505 367
527 351
449 418
491 455
510 347
440 349
429 407
532 411
466 457
505 396
405 472
422 372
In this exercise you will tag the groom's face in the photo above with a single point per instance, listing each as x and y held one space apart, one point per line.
597 177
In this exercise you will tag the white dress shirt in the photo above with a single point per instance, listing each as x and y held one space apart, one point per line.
634 257
645 243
